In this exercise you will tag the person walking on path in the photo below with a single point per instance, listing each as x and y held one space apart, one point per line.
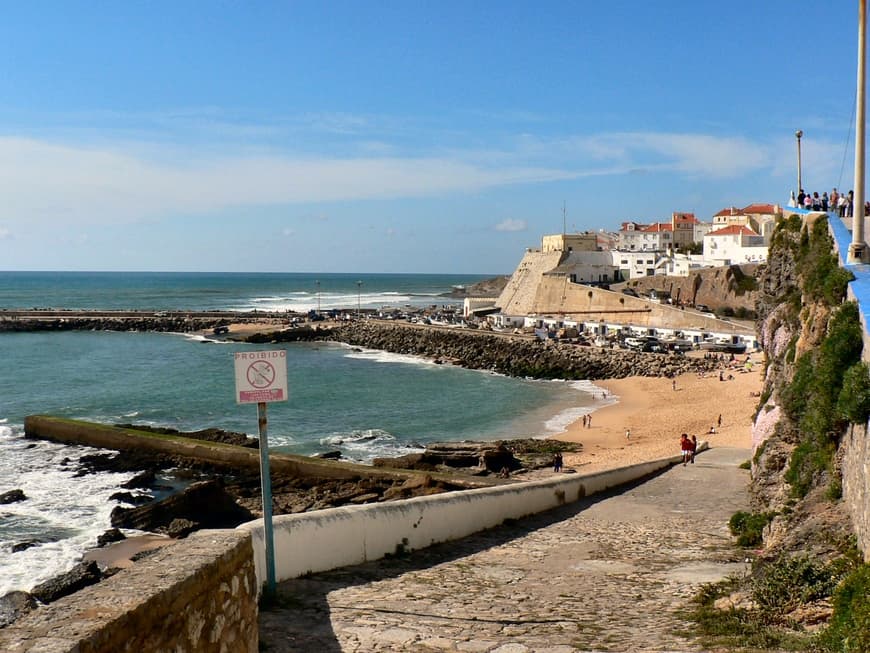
557 462
693 447
685 448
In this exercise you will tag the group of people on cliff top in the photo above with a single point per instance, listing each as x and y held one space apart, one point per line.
841 203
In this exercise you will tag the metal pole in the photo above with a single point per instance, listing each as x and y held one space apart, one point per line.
266 488
858 248
798 134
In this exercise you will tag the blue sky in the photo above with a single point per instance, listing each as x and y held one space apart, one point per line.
402 136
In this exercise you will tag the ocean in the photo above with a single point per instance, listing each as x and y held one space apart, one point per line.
364 403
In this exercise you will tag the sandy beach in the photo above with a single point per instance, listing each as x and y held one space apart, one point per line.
656 414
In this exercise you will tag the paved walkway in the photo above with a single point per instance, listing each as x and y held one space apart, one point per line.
605 574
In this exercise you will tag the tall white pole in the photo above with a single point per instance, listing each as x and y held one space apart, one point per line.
800 187
858 247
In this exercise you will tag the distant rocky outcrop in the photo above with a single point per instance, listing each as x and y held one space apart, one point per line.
733 289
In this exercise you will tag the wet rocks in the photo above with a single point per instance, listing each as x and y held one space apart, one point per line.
79 577
204 504
15 605
12 496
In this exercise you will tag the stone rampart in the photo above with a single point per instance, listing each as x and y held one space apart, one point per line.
196 596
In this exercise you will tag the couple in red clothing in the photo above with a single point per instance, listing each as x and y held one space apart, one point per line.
687 448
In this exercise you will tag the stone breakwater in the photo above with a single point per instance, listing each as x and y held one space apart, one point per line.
95 323
513 356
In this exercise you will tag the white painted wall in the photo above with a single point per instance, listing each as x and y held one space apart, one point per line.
339 537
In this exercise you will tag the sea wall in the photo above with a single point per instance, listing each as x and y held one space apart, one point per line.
510 355
196 596
338 537
228 456
855 464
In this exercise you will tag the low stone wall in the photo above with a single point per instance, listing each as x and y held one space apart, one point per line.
338 537
196 596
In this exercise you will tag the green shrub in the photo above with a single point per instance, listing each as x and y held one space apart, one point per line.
749 527
808 461
849 628
853 404
788 582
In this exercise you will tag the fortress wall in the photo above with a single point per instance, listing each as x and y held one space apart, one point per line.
198 595
518 296
558 295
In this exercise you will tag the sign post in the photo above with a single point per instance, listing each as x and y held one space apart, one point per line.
261 377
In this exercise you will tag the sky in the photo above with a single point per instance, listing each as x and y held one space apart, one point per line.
401 136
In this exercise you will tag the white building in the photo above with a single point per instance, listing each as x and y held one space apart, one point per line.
633 265
681 265
637 237
734 245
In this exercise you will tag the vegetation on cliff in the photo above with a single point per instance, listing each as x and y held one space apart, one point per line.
808 588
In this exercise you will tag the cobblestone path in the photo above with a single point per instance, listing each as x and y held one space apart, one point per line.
610 573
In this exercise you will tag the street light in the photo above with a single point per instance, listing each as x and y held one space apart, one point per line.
358 287
317 284
798 135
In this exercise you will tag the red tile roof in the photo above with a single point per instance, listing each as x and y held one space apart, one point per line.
764 209
731 210
685 217
658 227
733 230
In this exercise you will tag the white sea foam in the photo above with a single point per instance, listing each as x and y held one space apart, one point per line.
379 356
364 445
195 337
601 398
72 510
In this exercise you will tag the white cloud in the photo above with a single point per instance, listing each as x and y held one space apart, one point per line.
511 224
51 182
46 181
287 231
5 234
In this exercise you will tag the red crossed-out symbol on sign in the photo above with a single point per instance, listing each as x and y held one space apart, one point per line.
261 374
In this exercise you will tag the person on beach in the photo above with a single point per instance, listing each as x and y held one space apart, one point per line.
693 447
685 448
719 421
628 434
589 421
557 462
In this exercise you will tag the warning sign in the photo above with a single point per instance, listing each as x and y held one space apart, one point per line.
261 376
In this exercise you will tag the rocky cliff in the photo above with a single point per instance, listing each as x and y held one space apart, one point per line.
731 289
808 587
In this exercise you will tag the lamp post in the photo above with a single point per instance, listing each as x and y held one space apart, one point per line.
858 246
358 289
798 135
317 284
